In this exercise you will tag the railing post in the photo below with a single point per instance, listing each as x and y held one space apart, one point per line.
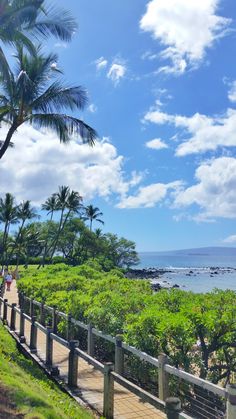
42 314
119 355
33 336
22 326
22 300
13 317
49 347
4 317
73 364
90 346
54 320
68 330
19 297
108 391
231 401
173 407
163 378
31 309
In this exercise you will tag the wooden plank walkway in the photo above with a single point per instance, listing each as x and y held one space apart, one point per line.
90 380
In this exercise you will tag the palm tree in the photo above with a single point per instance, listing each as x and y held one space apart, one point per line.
24 212
98 233
92 213
21 22
28 97
50 206
66 200
8 216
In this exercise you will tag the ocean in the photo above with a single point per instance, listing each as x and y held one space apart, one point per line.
195 269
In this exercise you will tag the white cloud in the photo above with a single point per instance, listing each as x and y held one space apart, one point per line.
38 164
232 92
205 133
60 45
116 72
185 29
101 63
214 191
230 239
149 196
92 108
156 144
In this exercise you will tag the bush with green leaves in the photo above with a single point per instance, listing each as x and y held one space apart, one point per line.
197 331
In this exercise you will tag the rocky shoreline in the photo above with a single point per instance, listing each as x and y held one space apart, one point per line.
155 274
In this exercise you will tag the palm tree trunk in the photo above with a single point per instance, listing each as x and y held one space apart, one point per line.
91 222
45 248
7 141
54 245
3 242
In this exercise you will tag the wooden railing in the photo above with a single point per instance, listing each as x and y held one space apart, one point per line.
113 373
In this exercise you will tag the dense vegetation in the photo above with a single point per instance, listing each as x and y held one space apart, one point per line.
197 331
42 399
69 239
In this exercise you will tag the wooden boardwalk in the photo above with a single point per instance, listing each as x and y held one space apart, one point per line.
90 380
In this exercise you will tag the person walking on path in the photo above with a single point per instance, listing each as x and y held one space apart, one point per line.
8 279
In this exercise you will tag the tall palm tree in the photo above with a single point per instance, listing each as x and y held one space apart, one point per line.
92 213
8 216
28 97
66 200
23 21
24 212
50 206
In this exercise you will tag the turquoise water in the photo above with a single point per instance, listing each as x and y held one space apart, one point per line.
202 278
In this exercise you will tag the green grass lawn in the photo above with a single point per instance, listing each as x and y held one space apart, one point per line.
26 392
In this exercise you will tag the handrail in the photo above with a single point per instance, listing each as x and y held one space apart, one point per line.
193 379
41 327
103 335
79 323
143 356
98 365
60 340
107 370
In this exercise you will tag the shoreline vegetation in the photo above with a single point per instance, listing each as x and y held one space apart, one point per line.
196 331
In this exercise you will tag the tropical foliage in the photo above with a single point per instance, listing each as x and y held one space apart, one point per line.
68 239
197 331
28 96
31 94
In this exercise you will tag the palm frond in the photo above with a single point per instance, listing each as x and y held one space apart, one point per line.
65 126
58 97
59 23
20 39
4 67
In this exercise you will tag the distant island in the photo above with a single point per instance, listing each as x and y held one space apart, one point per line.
201 251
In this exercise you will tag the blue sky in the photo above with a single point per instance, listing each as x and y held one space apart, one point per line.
161 79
